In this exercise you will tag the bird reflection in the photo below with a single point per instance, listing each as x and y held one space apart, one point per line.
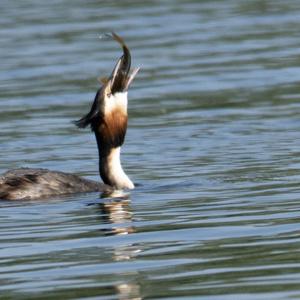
115 210
128 291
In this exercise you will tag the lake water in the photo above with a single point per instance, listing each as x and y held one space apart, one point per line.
213 143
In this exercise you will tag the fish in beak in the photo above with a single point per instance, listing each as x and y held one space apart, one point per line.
121 78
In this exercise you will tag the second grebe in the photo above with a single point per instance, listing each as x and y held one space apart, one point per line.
108 120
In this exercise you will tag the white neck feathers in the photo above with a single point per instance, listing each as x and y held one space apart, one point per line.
113 171
110 138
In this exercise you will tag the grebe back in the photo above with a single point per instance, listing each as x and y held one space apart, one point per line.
108 120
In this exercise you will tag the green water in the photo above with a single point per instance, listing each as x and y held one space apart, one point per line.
213 144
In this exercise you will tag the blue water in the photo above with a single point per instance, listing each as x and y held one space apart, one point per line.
213 144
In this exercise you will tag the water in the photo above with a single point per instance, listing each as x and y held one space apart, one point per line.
213 143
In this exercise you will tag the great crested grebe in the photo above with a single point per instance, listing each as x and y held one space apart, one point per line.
108 120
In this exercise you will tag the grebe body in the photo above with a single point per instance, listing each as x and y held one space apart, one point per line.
108 120
26 183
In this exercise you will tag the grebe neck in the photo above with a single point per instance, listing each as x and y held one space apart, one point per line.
111 170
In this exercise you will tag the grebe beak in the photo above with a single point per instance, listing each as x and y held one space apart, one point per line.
121 78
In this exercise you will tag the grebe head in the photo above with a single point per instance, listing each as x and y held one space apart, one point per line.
108 119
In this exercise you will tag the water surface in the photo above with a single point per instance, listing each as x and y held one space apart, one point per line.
213 143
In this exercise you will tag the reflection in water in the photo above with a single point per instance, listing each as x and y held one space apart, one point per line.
128 291
116 211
